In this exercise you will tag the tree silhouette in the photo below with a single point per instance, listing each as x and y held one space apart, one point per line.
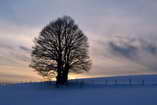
61 47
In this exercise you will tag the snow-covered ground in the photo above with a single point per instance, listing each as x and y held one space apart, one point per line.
96 91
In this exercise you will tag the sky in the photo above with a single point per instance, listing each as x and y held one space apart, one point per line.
122 34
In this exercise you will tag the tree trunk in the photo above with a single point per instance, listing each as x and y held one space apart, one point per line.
65 73
62 77
65 76
59 78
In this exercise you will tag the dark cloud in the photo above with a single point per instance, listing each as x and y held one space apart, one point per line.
13 55
130 47
28 50
125 50
149 47
139 51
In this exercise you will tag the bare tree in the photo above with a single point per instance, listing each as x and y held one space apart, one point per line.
61 47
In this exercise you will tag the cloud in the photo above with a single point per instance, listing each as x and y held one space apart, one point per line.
149 47
17 74
14 54
128 47
28 50
128 51
139 51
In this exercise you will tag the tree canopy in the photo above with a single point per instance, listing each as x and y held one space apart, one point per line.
61 47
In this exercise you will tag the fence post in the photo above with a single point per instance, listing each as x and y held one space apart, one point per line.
142 82
130 82
116 82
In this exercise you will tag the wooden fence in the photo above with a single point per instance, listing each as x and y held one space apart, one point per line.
88 82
